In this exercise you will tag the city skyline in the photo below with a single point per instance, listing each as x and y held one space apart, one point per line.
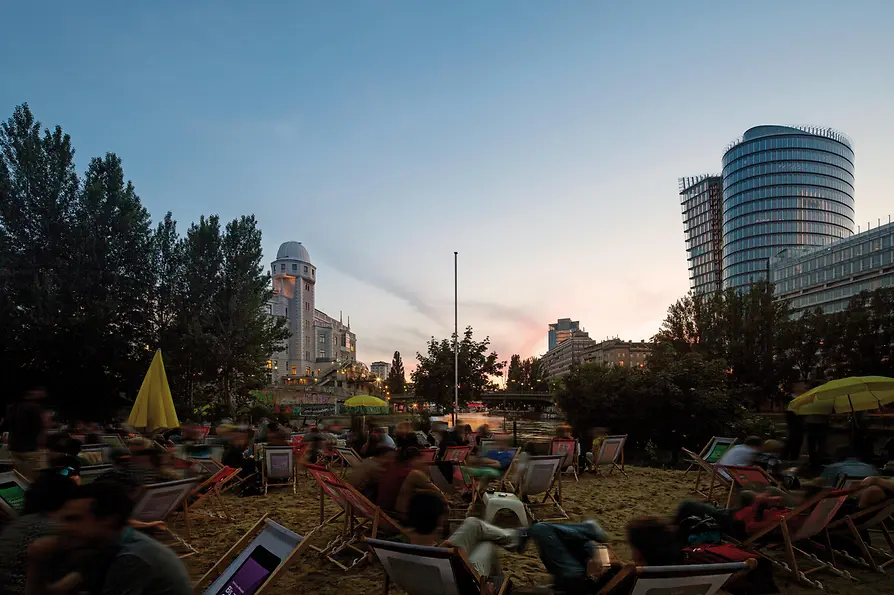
542 143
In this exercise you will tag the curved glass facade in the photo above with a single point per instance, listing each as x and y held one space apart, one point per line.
783 187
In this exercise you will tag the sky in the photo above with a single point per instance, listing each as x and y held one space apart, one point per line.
542 141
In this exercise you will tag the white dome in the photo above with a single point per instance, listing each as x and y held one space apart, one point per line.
293 251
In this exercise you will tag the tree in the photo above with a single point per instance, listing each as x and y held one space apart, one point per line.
514 374
396 380
434 374
525 375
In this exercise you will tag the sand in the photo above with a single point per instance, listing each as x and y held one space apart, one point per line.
612 500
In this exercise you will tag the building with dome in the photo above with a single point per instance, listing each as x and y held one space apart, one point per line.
320 345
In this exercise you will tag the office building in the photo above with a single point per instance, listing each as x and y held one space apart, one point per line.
828 277
783 187
701 199
615 352
318 343
558 360
380 369
560 331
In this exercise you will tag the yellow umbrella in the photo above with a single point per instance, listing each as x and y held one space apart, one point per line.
366 405
154 407
846 395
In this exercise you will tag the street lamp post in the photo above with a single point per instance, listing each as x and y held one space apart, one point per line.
455 336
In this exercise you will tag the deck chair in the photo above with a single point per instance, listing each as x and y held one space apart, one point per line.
207 465
721 479
12 493
568 448
278 468
349 458
610 452
210 490
254 563
543 475
745 478
800 526
684 579
428 455
457 454
158 501
362 518
422 570
712 451
90 472
874 518
95 454
113 440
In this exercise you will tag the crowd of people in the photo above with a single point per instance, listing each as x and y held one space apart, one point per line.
73 537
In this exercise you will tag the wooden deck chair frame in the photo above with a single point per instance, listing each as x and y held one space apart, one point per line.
710 472
708 452
13 479
223 563
180 489
552 495
601 456
451 564
873 518
362 518
745 478
819 512
292 480
211 489
349 458
92 449
570 455
671 578
208 465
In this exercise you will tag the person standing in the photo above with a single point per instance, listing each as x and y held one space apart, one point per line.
26 424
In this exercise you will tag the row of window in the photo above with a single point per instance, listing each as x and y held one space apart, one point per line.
782 214
792 167
790 155
772 243
282 268
791 205
832 256
787 142
836 299
736 236
744 280
806 179
742 200
834 273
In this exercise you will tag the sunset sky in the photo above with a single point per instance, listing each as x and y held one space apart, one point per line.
540 140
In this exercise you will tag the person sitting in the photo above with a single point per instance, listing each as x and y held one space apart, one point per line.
474 538
753 511
846 465
276 436
94 521
401 480
417 481
742 455
366 476
39 517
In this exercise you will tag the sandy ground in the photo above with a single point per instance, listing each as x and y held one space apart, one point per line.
612 500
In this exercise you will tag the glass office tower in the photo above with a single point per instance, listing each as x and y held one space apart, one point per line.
701 199
783 187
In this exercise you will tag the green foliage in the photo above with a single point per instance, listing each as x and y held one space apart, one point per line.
434 374
526 375
682 402
90 290
397 378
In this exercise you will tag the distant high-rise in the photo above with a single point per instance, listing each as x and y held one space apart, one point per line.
561 330
783 187
701 199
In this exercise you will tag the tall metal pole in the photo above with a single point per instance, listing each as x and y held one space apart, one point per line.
455 337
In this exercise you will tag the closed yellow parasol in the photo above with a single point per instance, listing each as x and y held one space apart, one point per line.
154 407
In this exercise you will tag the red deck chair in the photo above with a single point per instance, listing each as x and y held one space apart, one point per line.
211 489
874 518
801 525
745 478
362 518
457 454
428 455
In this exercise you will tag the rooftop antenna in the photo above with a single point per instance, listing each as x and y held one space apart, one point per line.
340 317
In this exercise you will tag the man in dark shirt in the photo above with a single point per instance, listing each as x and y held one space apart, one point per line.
25 424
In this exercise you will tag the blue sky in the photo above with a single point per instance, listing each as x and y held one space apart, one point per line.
541 140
